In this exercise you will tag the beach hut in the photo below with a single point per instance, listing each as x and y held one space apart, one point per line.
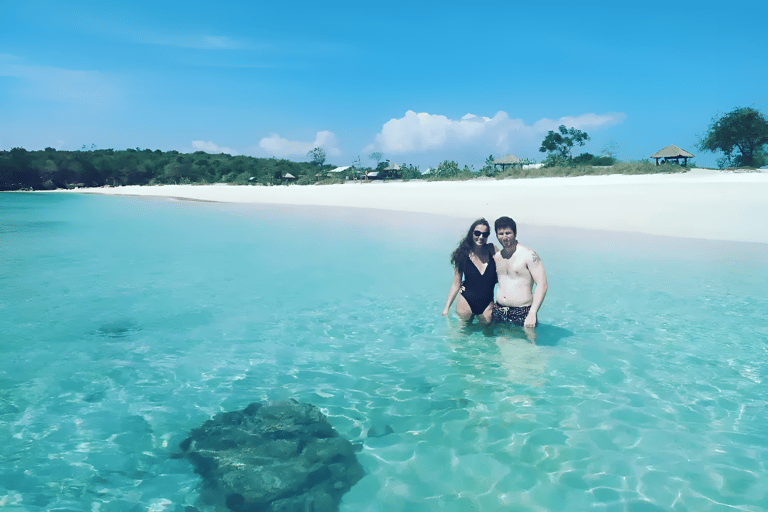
505 161
337 171
288 177
390 171
672 152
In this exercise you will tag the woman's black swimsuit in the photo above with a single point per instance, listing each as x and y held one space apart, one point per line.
478 288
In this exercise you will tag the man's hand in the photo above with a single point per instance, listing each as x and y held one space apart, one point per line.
530 320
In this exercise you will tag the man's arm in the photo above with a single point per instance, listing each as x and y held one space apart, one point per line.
539 276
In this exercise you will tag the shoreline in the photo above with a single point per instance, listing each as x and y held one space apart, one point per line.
701 203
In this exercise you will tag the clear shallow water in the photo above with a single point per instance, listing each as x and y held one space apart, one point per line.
126 322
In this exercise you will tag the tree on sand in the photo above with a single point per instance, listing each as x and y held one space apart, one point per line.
743 130
317 156
562 141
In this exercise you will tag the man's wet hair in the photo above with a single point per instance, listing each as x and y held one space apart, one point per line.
505 222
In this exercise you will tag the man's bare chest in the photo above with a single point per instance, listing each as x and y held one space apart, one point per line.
513 267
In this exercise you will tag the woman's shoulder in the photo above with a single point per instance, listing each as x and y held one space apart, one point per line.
492 250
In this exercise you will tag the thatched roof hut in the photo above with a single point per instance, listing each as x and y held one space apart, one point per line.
672 152
506 160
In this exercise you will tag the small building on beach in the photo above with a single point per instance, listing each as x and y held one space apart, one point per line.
337 172
506 161
390 171
288 177
672 152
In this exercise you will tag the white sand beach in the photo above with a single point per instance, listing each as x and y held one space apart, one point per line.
702 203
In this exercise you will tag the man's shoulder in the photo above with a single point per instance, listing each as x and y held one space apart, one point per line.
527 253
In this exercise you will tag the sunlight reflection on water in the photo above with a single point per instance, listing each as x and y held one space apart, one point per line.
127 322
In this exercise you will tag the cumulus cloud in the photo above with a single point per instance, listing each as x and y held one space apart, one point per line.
424 132
280 147
211 147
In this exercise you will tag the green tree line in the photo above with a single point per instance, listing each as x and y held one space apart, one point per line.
741 135
51 169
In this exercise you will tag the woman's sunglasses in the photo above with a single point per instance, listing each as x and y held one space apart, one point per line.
480 233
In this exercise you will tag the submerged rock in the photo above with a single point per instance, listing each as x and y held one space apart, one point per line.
379 431
118 328
272 457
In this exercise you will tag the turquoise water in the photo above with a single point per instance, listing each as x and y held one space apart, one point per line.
127 322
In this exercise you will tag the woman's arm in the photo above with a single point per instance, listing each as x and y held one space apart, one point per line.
453 292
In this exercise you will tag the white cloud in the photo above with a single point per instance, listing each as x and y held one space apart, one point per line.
57 84
424 132
275 145
221 43
582 122
126 25
196 41
210 147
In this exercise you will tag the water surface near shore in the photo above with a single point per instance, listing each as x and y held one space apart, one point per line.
126 322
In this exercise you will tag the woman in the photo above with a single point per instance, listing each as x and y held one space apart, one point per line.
473 259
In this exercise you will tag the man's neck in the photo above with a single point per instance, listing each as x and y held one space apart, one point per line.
507 252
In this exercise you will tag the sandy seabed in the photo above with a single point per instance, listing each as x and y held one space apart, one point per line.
702 203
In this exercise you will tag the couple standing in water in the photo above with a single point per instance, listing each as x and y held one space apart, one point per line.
515 267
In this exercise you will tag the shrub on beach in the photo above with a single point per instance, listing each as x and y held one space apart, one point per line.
450 170
232 178
305 180
603 160
331 181
637 167
590 159
556 160
584 159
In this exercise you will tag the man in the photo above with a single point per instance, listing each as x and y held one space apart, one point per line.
519 268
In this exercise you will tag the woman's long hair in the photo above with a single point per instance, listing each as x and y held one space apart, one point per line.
465 246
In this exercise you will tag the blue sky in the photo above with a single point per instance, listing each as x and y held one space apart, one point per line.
421 82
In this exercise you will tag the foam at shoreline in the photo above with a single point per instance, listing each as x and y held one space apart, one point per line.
701 203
